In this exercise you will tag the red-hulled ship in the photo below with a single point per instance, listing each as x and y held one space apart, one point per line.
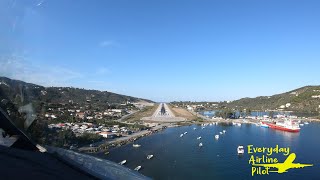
287 125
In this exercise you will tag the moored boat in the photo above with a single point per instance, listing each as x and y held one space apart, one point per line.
123 162
199 137
150 156
200 144
181 135
240 150
216 136
136 145
137 168
287 125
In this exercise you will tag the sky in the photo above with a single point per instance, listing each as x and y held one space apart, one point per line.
163 50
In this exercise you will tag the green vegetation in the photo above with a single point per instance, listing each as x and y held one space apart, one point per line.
226 113
40 133
304 102
145 112
48 105
198 119
297 100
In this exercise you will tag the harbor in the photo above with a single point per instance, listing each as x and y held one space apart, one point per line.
175 154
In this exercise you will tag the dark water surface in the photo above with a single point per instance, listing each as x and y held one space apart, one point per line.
182 158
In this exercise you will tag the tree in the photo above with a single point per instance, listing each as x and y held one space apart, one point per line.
271 114
248 112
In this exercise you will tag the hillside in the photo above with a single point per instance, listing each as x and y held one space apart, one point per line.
305 99
18 90
18 96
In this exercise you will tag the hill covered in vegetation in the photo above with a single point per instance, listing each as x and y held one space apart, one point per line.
18 98
305 99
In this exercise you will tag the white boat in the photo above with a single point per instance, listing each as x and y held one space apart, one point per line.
220 132
137 168
301 124
203 127
224 131
136 145
194 128
200 144
264 125
123 162
185 132
233 123
306 123
199 137
150 156
216 136
240 150
239 124
181 135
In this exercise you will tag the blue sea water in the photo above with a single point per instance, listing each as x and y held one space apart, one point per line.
182 158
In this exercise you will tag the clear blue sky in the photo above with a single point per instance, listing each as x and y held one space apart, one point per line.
163 50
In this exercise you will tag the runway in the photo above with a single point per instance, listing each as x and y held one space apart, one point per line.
163 114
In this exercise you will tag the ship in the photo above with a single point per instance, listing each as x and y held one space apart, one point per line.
287 125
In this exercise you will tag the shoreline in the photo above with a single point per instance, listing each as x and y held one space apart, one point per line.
107 145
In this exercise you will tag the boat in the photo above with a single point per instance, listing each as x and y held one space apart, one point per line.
306 123
149 156
194 128
203 127
240 150
181 135
301 124
287 125
239 124
216 136
200 144
136 145
224 131
199 137
123 162
264 125
137 168
185 132
220 132
106 153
